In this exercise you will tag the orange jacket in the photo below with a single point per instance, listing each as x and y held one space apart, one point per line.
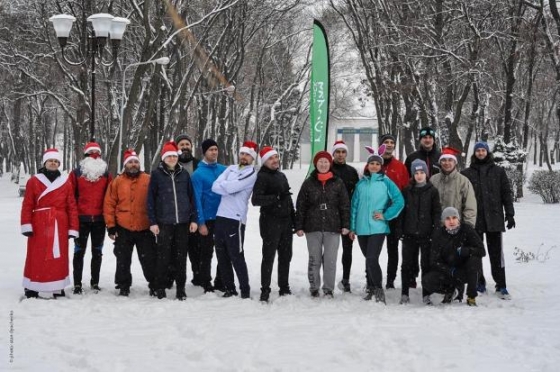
126 202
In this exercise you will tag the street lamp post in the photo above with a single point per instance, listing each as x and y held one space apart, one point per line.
103 26
159 61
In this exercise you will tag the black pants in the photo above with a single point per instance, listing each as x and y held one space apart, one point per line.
276 235
393 250
371 246
145 247
411 246
230 235
496 253
346 256
206 252
466 273
97 231
194 257
172 243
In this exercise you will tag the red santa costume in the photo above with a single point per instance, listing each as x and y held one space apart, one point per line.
49 213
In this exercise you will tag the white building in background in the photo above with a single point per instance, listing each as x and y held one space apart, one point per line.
356 132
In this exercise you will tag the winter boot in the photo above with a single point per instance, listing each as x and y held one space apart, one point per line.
344 286
181 294
390 284
95 287
208 287
314 293
245 295
265 294
153 292
427 301
471 301
328 294
448 297
503 294
379 295
285 291
404 300
124 292
60 294
161 294
31 294
77 289
230 293
369 294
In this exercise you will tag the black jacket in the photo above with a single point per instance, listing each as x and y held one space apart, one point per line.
272 193
349 176
493 194
170 196
444 256
430 157
322 208
422 210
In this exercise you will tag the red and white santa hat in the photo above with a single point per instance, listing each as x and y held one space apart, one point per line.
170 148
249 147
51 154
449 153
129 155
91 146
339 145
266 153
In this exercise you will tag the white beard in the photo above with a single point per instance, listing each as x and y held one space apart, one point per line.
93 169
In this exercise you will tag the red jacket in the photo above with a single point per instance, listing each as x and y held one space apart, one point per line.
396 171
89 195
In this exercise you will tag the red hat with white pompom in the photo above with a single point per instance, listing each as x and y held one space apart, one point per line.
91 146
449 153
339 145
130 155
52 154
266 153
249 147
169 149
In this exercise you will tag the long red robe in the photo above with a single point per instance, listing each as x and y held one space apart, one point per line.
49 211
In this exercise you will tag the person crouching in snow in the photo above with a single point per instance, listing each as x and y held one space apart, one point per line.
172 215
49 217
235 186
421 215
322 213
455 259
376 201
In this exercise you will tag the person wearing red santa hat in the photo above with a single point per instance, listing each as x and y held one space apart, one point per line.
126 215
350 177
172 214
455 190
49 217
235 186
272 193
89 181
322 214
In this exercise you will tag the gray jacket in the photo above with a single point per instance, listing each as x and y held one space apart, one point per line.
455 190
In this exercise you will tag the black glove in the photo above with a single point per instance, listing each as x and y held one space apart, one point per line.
510 222
112 230
283 195
29 234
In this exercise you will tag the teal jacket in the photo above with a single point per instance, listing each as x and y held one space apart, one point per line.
374 193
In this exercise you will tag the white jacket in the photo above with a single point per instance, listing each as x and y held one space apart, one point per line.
235 185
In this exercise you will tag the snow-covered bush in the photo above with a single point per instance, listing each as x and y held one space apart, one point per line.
546 184
509 156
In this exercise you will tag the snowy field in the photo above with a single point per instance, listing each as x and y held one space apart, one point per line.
103 332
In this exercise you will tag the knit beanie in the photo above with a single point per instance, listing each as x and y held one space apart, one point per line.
181 137
481 145
375 155
322 154
419 165
386 137
206 144
426 131
450 212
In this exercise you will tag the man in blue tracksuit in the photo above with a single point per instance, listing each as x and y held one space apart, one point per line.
235 185
207 203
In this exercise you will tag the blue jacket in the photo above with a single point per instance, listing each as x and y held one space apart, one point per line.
372 194
207 201
170 197
235 185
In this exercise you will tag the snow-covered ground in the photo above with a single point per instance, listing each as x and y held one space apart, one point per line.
103 332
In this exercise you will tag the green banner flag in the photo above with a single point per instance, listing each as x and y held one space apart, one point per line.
319 92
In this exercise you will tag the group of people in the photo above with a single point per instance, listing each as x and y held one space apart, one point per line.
191 208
